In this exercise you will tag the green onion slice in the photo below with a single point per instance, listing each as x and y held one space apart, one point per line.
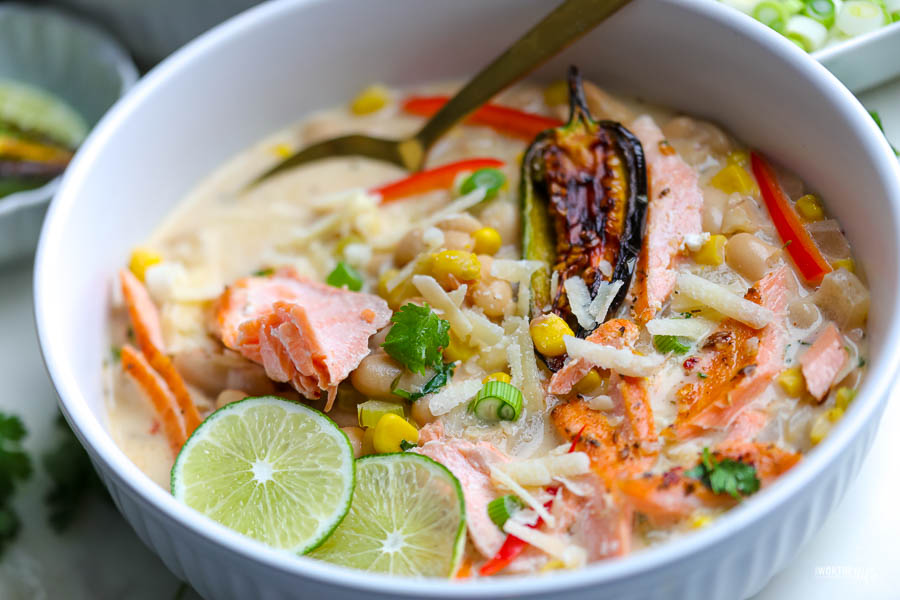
369 412
489 179
807 33
670 343
345 275
822 11
498 401
502 508
772 14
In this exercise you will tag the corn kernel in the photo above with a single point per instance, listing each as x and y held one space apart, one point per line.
390 431
282 150
810 208
487 240
739 157
547 332
553 565
792 382
712 252
843 396
462 265
834 414
372 99
498 376
141 260
733 178
819 429
700 521
458 349
844 263
589 382
556 93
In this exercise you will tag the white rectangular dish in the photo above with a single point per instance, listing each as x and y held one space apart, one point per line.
865 61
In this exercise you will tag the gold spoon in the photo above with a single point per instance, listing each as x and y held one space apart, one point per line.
569 21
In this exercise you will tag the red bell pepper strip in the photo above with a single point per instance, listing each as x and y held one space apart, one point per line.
509 121
797 241
433 179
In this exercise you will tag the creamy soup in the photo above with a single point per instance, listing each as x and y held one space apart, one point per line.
640 395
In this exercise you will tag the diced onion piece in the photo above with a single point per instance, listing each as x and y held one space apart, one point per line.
541 471
452 395
433 293
723 300
806 32
857 17
694 328
501 479
606 293
622 361
579 301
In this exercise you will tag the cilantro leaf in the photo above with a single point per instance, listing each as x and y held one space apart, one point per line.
15 467
417 338
442 375
404 445
732 477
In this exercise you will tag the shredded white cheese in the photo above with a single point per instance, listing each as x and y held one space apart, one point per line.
582 490
723 300
432 291
579 301
571 555
622 361
606 293
540 471
459 294
503 480
485 333
452 395
605 268
518 271
694 328
521 353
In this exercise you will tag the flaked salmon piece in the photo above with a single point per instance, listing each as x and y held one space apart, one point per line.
619 333
470 463
769 460
668 498
746 425
603 522
145 323
674 211
738 364
823 360
302 332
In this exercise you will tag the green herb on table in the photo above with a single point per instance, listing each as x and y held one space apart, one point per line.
417 338
729 476
15 467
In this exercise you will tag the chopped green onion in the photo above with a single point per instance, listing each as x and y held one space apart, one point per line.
502 508
892 7
369 412
807 33
822 11
772 14
497 401
345 275
670 343
857 17
489 179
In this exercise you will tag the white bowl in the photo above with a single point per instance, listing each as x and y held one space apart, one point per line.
271 65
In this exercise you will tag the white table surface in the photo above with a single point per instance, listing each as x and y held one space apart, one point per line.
855 555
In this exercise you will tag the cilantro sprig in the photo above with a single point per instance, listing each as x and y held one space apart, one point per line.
15 467
417 338
733 477
442 374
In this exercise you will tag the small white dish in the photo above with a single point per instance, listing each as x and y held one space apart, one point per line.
75 62
863 62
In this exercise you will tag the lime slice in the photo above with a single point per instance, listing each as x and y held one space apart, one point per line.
276 471
32 109
407 518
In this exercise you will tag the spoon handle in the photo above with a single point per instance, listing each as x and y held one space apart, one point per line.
569 21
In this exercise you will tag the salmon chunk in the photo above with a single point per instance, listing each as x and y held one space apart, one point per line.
668 498
823 360
302 332
674 211
738 364
618 333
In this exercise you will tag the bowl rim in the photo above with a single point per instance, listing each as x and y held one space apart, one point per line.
95 437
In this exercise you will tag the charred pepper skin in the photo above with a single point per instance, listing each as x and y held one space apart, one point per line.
584 202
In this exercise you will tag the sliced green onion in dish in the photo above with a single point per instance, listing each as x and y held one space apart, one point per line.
670 344
892 7
408 517
772 13
489 179
345 275
807 33
369 412
857 17
822 11
498 401
501 509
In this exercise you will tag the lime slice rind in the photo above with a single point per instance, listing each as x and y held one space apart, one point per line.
33 109
407 518
274 470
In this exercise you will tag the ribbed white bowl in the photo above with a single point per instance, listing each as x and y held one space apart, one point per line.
271 65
